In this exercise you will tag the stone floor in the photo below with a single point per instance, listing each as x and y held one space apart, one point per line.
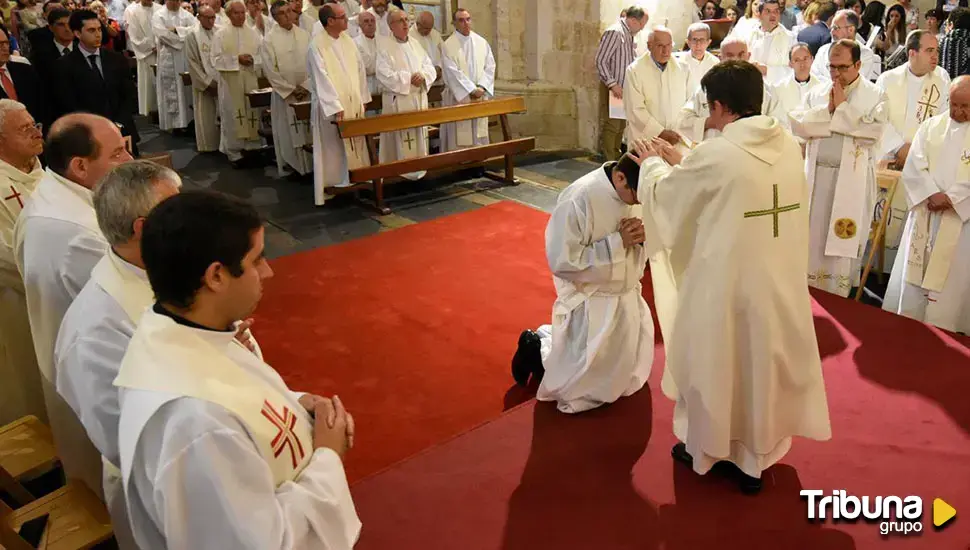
295 224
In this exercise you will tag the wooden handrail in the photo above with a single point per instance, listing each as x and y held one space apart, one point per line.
454 113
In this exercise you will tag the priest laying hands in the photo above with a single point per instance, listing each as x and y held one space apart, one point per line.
743 364
216 451
599 346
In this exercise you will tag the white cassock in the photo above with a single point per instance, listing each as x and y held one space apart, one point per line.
694 113
352 6
744 27
284 56
431 44
198 55
57 244
268 24
244 446
652 99
310 18
368 54
21 392
840 163
467 62
141 41
930 281
338 84
599 346
383 28
696 69
222 20
174 97
771 49
396 62
733 220
910 100
790 94
240 123
871 64
90 346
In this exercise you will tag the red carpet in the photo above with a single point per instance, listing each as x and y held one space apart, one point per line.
413 328
536 479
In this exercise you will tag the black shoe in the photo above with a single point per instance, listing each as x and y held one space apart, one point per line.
680 454
749 485
527 359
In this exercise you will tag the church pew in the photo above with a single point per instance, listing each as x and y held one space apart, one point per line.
370 127
186 79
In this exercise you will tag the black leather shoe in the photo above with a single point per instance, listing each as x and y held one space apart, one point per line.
680 454
527 359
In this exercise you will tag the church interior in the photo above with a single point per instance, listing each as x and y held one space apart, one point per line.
407 296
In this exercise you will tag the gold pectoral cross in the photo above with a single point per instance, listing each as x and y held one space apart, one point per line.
774 210
927 105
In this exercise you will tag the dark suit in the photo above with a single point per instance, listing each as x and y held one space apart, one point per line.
815 36
44 54
112 95
29 92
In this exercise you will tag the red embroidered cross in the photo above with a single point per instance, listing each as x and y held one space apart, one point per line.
15 195
284 437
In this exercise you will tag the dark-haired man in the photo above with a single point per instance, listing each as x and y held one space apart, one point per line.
199 410
57 243
733 220
100 80
47 48
842 122
599 346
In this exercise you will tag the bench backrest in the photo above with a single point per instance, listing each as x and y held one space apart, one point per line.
428 117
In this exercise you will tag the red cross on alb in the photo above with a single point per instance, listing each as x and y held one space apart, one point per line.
284 437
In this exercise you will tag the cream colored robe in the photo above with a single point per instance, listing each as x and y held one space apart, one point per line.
694 114
198 54
284 61
696 69
840 166
930 280
911 100
771 49
240 123
368 54
141 41
652 98
431 44
174 97
21 392
599 346
467 62
338 84
743 363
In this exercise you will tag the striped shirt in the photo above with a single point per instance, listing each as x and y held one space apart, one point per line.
616 52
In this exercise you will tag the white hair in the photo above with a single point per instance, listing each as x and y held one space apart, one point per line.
127 192
9 106
658 29
699 27
231 2
733 40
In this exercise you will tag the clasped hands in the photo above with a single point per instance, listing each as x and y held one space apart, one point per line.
631 231
417 80
837 96
333 426
939 202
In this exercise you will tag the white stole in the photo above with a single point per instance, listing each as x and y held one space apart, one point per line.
453 49
236 41
403 56
343 66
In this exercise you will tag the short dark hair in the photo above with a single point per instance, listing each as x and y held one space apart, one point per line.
68 142
914 39
939 15
853 46
79 17
797 45
960 18
326 13
853 18
631 170
849 4
826 12
186 233
736 84
766 2
635 12
57 14
277 6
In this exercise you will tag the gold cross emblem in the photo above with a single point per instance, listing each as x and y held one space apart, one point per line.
927 105
774 210
845 228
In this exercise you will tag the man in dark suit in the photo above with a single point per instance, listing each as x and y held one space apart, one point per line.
96 80
44 51
19 81
820 33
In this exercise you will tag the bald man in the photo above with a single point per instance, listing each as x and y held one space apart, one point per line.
654 90
695 124
429 38
930 281
57 243
367 46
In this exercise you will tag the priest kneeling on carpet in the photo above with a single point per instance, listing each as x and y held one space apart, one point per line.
599 346
743 364
216 451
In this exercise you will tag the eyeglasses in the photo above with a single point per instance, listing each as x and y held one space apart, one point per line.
4 44
840 68
27 128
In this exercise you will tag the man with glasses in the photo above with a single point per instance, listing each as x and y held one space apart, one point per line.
20 82
697 60
845 24
842 121
20 171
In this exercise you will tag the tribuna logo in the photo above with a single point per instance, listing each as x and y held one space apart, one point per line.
896 515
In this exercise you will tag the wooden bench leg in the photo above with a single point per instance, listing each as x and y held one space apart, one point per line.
379 197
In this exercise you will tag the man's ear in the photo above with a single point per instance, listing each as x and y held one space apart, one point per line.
137 228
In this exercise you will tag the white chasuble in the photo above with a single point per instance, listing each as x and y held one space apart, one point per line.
790 94
309 17
21 393
771 50
141 41
694 114
198 55
653 98
368 54
930 280
171 28
840 167
910 100
696 69
431 44
599 346
396 63
338 85
240 123
284 61
467 63
737 205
